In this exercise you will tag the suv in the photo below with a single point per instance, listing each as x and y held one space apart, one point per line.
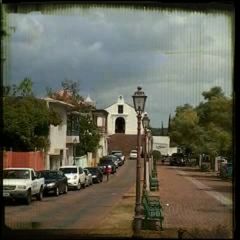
107 162
177 159
75 175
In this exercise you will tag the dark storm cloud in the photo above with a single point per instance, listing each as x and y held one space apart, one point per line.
111 51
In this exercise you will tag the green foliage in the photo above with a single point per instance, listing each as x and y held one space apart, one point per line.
156 155
23 89
89 136
205 167
73 88
206 128
26 123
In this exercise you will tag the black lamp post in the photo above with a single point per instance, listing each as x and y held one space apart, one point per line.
74 151
145 123
139 99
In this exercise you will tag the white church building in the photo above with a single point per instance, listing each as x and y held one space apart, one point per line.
122 118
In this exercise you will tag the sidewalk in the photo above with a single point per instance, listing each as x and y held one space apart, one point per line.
185 207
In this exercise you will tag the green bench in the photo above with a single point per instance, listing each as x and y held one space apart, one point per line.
153 212
154 184
152 201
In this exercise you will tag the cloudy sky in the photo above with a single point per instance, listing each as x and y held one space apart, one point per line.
173 55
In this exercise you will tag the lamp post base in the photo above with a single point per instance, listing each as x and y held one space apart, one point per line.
137 225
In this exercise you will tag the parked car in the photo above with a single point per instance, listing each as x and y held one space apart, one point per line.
119 153
107 162
177 159
97 174
55 181
75 175
133 154
115 159
89 180
22 184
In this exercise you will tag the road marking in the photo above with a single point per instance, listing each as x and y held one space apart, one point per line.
218 196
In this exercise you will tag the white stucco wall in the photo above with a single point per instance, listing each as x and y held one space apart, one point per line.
58 134
162 144
129 115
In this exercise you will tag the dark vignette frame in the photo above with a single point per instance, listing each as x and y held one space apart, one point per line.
206 6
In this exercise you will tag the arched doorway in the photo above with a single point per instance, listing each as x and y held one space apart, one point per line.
120 125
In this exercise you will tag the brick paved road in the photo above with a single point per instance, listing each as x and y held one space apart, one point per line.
196 199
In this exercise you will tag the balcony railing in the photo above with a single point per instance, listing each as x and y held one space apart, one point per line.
72 136
72 139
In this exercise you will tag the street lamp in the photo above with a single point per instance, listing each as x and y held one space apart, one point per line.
139 99
145 123
74 151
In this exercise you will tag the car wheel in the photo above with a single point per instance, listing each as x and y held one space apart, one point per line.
84 185
65 189
78 186
57 191
40 194
29 197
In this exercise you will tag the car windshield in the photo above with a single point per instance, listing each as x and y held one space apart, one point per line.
106 161
16 174
48 175
118 153
93 170
69 170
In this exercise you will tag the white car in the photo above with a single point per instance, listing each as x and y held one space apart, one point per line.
133 154
75 175
22 184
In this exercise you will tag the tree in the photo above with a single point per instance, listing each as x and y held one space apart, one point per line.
89 136
26 123
184 127
23 89
206 128
73 88
214 92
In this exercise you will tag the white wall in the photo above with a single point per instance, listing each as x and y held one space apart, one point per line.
162 144
172 150
58 134
129 115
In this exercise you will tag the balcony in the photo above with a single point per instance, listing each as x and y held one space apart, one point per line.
72 137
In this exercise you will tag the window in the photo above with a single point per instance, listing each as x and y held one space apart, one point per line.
99 121
120 108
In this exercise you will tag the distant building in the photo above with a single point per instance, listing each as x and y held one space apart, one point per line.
62 137
89 101
121 118
162 144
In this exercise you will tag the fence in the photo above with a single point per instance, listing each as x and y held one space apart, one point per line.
33 160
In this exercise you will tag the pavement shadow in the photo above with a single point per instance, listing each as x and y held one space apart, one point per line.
225 189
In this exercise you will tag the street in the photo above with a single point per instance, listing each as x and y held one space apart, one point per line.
191 199
82 209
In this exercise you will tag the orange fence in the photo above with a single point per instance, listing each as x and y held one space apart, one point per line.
33 160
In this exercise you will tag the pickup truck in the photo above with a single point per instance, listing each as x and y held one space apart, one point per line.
22 184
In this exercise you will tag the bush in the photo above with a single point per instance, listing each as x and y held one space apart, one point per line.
205 167
156 155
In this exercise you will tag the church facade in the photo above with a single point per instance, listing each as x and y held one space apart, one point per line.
122 118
